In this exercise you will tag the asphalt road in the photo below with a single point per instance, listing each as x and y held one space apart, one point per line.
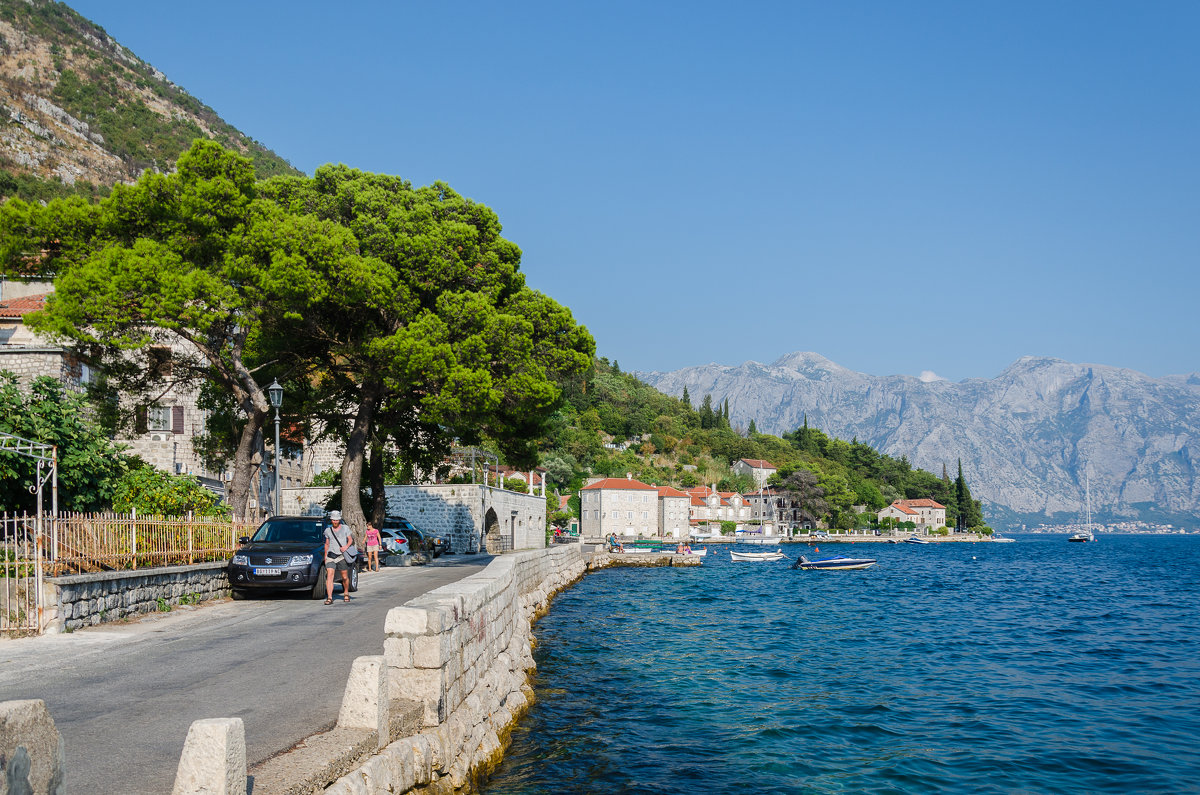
124 695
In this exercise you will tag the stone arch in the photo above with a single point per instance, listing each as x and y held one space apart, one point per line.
494 537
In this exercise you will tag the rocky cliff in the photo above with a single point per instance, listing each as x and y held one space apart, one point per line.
77 108
1024 437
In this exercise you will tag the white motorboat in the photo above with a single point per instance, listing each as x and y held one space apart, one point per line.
916 540
754 556
835 563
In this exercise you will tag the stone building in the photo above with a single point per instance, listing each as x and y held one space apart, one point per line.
756 468
674 508
927 514
623 506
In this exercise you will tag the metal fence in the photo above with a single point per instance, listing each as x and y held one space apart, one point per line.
103 542
20 574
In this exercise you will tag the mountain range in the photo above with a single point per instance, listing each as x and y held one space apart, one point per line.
1034 441
80 112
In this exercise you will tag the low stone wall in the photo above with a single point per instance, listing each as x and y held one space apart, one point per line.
78 600
463 654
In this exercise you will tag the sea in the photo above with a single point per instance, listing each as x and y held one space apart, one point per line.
1040 666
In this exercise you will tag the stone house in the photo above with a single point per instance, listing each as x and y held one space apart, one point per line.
623 506
756 468
927 514
674 512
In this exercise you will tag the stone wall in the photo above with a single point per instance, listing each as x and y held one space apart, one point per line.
462 512
78 600
463 653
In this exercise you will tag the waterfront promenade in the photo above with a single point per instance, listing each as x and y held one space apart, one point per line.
124 695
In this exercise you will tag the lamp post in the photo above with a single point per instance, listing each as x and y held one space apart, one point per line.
275 393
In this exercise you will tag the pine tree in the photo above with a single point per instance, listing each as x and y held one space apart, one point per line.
686 399
753 428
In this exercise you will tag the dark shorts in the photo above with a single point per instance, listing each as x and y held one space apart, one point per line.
337 564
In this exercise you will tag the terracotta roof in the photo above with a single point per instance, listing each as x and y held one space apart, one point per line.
667 491
900 506
20 307
924 502
618 483
699 491
758 463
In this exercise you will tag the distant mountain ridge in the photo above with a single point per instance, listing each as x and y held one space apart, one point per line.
1024 436
81 110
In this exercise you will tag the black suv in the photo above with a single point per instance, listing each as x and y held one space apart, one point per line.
285 553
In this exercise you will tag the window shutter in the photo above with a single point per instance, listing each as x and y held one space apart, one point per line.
176 419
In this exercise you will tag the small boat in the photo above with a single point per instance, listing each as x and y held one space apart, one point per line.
836 563
1082 536
915 540
752 556
760 539
1086 534
695 553
999 539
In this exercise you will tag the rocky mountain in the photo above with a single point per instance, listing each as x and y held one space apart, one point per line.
79 112
1024 437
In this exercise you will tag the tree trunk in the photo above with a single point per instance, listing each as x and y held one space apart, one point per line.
243 465
376 475
356 447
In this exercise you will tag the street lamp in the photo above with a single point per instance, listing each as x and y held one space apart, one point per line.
275 394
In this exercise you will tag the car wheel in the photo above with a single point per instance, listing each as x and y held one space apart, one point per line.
354 579
318 590
237 594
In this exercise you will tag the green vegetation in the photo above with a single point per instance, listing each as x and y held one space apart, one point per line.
667 442
396 317
153 492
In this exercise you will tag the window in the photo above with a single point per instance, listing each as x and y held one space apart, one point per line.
158 418
629 514
645 514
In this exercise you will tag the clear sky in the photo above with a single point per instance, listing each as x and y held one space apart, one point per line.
900 186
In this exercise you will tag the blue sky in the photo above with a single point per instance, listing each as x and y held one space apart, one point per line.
901 187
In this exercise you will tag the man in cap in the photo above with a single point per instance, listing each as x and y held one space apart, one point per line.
339 555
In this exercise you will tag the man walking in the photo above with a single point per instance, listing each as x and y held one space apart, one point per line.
339 555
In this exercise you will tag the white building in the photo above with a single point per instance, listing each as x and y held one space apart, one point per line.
623 506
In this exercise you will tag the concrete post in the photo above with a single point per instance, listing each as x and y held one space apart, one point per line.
365 704
31 749
213 760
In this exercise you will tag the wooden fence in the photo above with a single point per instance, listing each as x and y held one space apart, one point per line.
76 543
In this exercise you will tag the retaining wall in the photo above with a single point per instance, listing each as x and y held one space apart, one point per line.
77 600
463 654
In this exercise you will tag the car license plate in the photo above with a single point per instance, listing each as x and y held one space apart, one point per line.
267 572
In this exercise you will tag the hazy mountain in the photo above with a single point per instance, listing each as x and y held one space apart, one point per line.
1023 436
80 112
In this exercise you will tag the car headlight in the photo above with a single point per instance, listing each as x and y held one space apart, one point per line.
300 560
241 560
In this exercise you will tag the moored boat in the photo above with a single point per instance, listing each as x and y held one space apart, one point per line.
835 563
754 556
915 540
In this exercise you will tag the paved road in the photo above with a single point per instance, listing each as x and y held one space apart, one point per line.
123 696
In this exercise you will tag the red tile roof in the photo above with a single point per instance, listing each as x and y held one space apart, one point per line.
667 491
618 483
924 502
758 463
20 307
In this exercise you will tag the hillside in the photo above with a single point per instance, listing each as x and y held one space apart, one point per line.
1024 437
82 113
613 424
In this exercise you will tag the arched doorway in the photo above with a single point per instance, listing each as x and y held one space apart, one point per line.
495 539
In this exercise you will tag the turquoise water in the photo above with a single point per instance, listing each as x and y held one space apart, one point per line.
1035 667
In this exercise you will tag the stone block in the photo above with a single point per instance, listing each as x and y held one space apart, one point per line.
398 653
365 701
406 621
432 651
31 749
214 759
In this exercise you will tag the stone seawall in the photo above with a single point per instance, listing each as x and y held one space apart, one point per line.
79 600
463 653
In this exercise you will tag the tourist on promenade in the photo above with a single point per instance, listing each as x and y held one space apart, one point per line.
339 555
372 538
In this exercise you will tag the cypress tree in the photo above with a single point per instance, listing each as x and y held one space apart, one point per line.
753 428
687 399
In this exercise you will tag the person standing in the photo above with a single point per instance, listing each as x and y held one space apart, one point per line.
372 538
339 555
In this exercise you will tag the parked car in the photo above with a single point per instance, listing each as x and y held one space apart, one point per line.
393 541
285 553
417 540
440 545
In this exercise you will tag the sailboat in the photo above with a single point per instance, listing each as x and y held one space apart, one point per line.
1086 534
